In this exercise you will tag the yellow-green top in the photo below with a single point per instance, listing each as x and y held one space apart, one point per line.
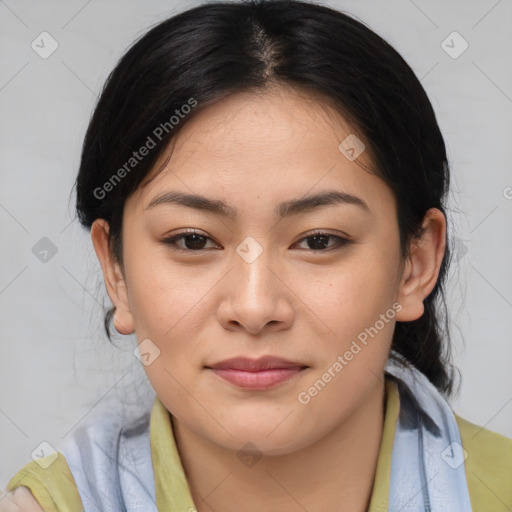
488 468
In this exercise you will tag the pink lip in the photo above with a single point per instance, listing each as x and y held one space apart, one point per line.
262 373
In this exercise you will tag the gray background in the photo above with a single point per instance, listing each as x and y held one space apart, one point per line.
56 367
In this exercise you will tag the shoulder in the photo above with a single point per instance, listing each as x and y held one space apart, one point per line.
107 457
48 482
488 466
20 500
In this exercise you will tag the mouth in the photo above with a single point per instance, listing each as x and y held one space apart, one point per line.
264 373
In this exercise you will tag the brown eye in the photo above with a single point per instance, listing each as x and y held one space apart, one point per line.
319 242
192 242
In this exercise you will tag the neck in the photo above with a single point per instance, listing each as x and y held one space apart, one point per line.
335 473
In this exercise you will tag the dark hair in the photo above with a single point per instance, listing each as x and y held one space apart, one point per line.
214 50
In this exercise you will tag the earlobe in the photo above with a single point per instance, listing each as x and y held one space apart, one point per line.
113 277
422 266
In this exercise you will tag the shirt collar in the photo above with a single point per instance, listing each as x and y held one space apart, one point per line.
171 487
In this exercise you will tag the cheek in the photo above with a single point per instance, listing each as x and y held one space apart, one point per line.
164 296
360 312
352 296
170 305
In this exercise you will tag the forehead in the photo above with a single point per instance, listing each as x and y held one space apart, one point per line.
282 142
275 122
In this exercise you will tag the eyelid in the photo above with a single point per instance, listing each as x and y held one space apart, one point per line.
170 241
327 232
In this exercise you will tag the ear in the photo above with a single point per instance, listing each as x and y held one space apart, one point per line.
421 268
113 276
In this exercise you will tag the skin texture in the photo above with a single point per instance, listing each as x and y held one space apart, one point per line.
294 301
19 500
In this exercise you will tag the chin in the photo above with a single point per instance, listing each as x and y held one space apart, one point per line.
258 442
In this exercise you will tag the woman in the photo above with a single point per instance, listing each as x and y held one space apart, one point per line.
265 186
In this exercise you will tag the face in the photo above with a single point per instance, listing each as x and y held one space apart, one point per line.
316 284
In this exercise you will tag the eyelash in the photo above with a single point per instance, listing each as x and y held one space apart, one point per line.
171 241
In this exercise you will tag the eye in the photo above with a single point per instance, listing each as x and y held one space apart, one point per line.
194 241
318 241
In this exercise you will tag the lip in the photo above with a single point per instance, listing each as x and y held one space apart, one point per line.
255 365
263 373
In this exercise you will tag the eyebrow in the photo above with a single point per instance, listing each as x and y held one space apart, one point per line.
285 209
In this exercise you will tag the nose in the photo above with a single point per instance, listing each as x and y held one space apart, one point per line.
256 294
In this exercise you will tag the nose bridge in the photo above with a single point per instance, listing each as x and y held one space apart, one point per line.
254 296
253 269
